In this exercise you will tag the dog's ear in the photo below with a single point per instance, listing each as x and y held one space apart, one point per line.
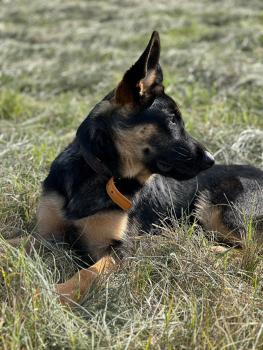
144 79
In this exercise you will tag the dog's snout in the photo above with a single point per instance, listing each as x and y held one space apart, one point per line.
208 160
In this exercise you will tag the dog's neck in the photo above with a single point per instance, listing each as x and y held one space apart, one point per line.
120 190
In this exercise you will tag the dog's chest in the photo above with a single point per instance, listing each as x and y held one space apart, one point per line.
98 232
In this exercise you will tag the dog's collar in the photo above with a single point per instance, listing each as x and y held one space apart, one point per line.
98 167
95 163
116 196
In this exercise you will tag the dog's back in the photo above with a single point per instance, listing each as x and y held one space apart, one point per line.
226 199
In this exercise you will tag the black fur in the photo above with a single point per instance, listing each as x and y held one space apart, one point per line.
236 189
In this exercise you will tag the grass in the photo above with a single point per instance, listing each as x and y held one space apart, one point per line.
57 60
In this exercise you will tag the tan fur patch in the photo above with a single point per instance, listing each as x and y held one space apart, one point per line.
147 82
101 229
50 218
143 176
130 145
210 217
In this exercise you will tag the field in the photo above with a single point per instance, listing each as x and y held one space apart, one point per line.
58 58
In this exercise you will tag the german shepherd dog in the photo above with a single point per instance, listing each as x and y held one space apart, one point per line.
100 190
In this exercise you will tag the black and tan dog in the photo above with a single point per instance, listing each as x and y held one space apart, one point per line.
100 189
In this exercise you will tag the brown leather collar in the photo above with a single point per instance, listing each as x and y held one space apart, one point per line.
95 163
116 196
98 167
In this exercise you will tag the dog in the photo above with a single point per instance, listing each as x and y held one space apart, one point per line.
130 162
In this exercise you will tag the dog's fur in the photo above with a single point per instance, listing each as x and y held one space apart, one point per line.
134 132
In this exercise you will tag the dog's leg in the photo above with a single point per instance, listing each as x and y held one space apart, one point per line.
51 224
75 288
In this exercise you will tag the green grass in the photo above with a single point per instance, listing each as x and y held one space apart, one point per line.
58 58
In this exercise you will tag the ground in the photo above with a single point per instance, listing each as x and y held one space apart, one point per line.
58 58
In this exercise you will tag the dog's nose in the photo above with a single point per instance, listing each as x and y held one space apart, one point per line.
208 160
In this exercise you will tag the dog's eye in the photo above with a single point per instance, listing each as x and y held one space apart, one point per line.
176 120
172 118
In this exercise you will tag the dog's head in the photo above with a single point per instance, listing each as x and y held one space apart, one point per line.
137 130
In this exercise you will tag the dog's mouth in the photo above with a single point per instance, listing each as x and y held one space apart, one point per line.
177 171
184 169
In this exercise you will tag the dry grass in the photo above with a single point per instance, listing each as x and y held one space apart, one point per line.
57 59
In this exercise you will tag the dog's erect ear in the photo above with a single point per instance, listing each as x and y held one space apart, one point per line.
143 80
